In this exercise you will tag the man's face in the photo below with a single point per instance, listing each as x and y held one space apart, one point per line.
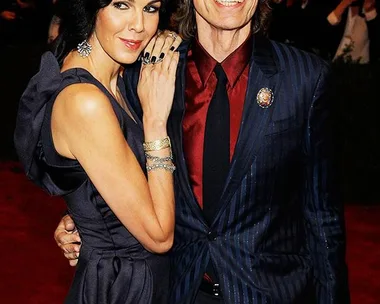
226 14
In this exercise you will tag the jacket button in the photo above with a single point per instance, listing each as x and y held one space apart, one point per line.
211 235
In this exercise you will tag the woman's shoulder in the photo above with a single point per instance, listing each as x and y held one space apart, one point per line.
49 81
82 100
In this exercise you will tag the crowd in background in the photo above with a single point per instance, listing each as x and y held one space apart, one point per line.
346 30
24 22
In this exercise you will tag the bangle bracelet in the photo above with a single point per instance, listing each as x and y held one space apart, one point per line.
158 144
167 167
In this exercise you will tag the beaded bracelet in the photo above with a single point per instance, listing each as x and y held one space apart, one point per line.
166 167
157 159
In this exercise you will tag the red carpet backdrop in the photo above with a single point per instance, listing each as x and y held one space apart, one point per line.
33 270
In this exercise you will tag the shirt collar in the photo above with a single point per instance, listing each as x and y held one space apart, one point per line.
233 65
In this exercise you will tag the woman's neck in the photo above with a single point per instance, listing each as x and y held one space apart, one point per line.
98 63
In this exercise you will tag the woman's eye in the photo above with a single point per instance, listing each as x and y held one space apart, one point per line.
151 9
121 5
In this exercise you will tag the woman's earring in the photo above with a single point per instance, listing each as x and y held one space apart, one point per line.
84 48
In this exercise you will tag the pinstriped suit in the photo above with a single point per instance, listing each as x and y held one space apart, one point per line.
278 236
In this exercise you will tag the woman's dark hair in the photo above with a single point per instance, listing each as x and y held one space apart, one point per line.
184 18
77 23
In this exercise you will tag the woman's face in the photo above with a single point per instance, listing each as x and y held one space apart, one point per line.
124 28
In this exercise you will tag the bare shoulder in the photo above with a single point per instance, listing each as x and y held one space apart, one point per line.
82 116
82 100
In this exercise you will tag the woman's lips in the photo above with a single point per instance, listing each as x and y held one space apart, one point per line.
132 44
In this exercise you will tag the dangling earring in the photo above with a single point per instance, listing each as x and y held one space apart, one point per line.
84 48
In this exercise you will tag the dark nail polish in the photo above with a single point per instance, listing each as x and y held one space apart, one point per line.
172 48
153 60
146 55
162 55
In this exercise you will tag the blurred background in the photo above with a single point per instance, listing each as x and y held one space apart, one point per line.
343 32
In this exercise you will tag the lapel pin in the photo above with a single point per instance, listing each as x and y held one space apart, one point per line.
264 98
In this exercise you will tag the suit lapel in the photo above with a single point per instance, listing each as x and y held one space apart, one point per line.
263 73
131 78
175 132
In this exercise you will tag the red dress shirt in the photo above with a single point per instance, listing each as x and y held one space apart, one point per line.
200 86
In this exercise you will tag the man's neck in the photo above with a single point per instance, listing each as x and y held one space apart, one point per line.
220 43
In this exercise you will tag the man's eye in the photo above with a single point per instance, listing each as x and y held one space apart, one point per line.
151 9
121 5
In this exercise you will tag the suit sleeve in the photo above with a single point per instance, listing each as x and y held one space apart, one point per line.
323 209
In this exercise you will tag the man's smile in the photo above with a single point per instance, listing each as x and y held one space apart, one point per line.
229 2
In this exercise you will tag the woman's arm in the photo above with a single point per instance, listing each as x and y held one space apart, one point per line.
85 128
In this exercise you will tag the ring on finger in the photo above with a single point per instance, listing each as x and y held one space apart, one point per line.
173 35
145 60
159 60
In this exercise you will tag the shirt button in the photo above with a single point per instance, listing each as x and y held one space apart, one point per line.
211 235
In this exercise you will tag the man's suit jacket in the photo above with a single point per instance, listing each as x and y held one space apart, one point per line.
278 236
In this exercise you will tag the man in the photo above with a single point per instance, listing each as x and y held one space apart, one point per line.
258 219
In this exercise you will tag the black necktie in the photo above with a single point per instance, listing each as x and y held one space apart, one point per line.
216 153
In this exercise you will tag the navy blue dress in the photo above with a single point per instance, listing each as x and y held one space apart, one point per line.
113 267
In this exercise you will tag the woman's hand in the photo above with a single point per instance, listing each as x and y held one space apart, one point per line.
160 45
156 90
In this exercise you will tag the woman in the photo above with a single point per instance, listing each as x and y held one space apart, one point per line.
113 170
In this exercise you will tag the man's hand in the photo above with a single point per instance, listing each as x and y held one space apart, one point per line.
68 239
8 15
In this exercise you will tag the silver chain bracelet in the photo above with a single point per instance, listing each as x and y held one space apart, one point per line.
158 159
167 167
